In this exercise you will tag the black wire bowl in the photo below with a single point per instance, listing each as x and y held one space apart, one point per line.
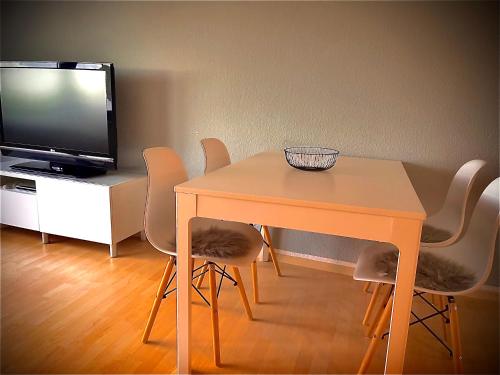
311 158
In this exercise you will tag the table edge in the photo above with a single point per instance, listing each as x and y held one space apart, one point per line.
295 202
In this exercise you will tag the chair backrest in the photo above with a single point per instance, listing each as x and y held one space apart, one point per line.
165 170
216 155
475 250
451 216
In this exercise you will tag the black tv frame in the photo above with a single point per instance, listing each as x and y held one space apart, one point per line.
55 160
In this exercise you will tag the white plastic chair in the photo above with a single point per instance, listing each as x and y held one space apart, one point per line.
448 222
217 156
165 170
474 251
451 216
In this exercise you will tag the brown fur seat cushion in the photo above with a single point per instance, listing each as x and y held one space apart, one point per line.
431 234
215 242
433 272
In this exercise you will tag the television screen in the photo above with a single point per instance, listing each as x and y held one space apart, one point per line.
60 109
61 112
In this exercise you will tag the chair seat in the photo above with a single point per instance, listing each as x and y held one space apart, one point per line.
368 269
224 235
365 267
433 235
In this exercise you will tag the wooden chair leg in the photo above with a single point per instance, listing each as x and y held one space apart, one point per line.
456 344
366 288
243 295
199 283
372 303
274 258
441 303
255 282
158 298
385 294
214 311
377 337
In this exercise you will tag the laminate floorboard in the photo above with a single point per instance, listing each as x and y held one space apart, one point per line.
66 307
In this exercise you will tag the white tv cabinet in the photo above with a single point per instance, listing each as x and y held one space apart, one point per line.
104 209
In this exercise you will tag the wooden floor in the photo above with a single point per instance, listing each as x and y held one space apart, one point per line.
68 308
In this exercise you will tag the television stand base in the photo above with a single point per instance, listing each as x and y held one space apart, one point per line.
58 169
104 209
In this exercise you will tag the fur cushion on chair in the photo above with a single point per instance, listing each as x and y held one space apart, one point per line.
433 272
218 243
431 234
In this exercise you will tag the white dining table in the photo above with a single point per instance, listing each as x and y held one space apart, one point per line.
359 198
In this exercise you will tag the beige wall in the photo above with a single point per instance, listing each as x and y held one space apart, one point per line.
411 81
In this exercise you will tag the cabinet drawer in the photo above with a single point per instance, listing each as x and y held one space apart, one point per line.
19 209
74 209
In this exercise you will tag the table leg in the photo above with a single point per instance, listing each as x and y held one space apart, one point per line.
186 209
406 235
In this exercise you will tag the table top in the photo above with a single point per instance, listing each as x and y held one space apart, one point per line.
361 185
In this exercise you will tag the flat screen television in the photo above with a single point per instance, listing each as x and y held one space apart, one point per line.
61 114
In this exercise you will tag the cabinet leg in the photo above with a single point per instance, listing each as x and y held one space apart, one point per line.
45 238
112 250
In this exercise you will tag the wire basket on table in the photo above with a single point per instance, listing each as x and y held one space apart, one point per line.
311 158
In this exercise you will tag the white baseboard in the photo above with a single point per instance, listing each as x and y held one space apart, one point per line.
347 268
316 262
